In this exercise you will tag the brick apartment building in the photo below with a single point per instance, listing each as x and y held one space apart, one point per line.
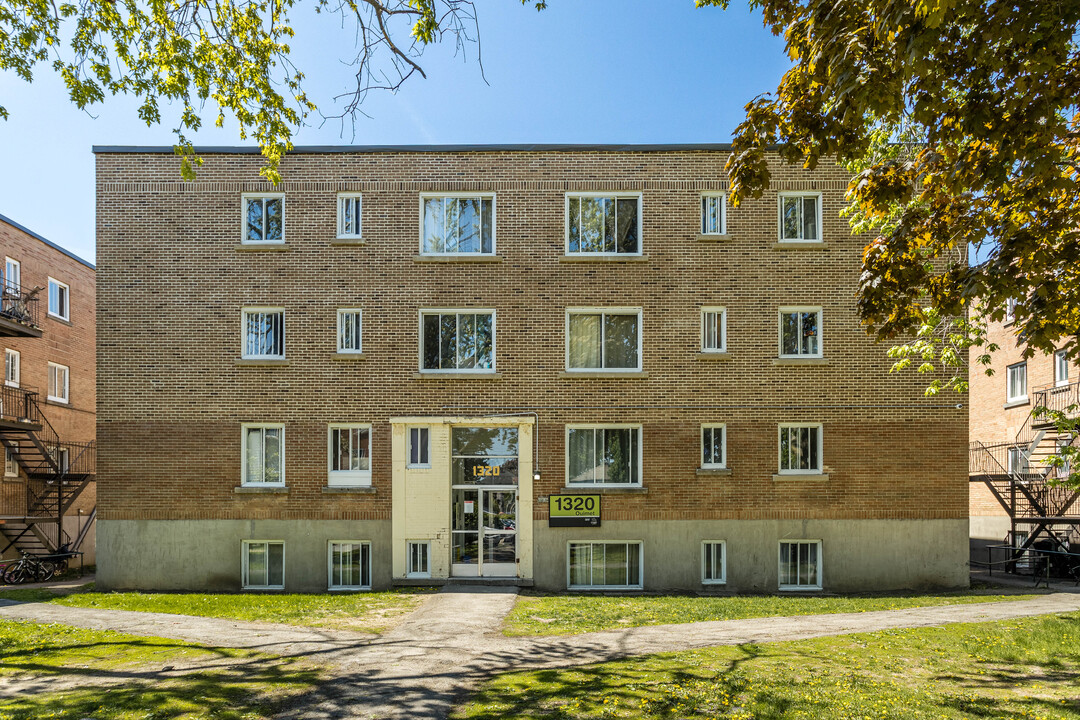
1012 502
48 396
568 367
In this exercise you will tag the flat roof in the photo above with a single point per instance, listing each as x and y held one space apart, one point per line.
512 147
50 243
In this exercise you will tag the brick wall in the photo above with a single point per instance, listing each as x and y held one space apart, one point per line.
173 283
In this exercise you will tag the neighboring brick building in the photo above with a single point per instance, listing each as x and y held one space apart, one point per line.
48 397
380 372
1009 493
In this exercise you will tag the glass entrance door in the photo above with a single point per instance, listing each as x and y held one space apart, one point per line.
484 502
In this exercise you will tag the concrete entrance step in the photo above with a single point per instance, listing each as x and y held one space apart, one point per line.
471 582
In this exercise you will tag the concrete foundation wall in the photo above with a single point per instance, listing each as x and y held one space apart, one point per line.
857 555
206 554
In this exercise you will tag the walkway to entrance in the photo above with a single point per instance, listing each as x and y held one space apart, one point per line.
452 644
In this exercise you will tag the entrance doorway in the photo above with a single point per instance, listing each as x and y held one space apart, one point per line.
484 501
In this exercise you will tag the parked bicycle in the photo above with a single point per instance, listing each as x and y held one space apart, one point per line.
28 569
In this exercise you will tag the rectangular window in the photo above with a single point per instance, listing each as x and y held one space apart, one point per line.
713 214
457 341
58 383
608 455
350 455
419 448
264 220
1010 311
800 332
603 224
418 555
458 224
713 329
264 565
11 465
1061 368
608 339
1016 383
713 446
800 565
264 455
800 217
12 361
349 328
264 333
713 562
1061 446
58 299
348 215
12 276
800 449
1018 461
348 565
604 565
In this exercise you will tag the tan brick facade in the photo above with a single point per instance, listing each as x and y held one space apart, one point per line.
174 279
70 343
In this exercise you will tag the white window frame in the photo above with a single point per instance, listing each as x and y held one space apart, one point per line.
1010 384
342 314
409 447
722 312
347 478
12 361
722 427
779 566
1017 461
781 196
1010 311
458 311
365 571
641 564
637 427
54 371
244 199
244 553
410 569
781 427
244 312
615 195
706 549
358 216
723 212
9 286
1061 368
788 310
63 313
11 465
244 480
602 311
454 195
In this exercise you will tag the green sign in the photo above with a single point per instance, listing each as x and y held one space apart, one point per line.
574 511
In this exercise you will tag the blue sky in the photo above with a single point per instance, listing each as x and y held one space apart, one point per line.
622 71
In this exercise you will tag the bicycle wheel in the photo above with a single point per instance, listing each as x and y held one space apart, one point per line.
43 570
15 574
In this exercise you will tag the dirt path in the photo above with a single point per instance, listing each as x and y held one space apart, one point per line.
453 642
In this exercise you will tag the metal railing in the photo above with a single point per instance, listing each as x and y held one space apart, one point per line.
21 306
1044 564
1059 398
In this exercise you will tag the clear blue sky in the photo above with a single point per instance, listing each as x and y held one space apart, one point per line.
623 71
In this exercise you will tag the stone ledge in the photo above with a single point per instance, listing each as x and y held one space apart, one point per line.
605 490
714 237
793 362
348 356
799 246
713 471
456 376
603 374
613 257
347 489
463 258
801 477
713 355
262 363
1015 403
263 247
261 490
347 241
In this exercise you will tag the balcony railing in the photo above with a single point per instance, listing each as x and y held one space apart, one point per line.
21 306
1061 398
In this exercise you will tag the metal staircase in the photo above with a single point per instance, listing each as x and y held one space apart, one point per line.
1017 474
54 475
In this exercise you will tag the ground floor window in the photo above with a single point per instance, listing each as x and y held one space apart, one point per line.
264 564
419 559
602 565
800 565
713 562
349 565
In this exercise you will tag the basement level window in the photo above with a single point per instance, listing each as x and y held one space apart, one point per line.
264 219
263 564
713 562
418 555
348 565
800 565
604 565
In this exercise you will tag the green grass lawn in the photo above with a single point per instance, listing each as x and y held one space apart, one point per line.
569 614
362 612
1026 668
102 671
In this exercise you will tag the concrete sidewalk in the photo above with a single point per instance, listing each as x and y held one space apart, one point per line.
453 642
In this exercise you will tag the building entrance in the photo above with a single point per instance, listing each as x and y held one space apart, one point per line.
484 501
